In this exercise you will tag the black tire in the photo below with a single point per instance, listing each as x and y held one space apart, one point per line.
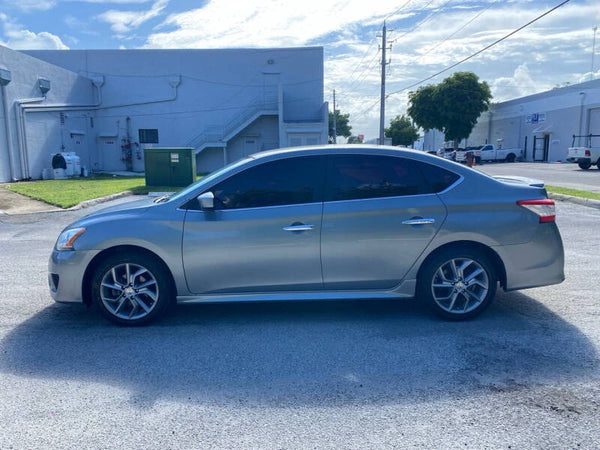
145 298
450 309
511 157
584 165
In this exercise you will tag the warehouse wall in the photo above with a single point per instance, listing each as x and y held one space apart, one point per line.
557 114
43 129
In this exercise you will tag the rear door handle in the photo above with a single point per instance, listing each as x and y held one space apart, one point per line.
418 221
299 227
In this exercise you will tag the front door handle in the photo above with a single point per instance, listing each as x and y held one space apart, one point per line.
418 221
299 227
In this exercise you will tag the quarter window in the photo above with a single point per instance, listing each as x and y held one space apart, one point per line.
283 182
438 179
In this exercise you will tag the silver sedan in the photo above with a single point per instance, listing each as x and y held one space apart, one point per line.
329 222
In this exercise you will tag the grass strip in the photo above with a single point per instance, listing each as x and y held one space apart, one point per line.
71 191
573 192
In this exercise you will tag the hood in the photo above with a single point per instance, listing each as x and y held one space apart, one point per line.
129 208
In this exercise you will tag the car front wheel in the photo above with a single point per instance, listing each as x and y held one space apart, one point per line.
458 285
132 289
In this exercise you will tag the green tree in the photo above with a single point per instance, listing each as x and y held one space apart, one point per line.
453 106
402 131
341 125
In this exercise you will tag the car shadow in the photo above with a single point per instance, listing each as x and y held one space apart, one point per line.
304 353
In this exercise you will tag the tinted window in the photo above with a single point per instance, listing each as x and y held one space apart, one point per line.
367 176
283 182
438 178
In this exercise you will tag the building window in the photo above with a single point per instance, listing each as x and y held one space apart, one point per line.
148 136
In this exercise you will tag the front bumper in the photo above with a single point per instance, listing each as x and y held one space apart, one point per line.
65 274
540 262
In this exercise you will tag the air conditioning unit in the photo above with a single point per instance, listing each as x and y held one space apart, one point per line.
65 165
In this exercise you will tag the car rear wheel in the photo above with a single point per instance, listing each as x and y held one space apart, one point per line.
584 165
510 158
132 288
457 284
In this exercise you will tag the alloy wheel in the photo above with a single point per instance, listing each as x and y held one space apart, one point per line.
460 285
129 291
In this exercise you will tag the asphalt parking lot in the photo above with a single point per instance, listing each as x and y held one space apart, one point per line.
557 174
364 374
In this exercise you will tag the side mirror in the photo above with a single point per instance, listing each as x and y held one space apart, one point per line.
207 200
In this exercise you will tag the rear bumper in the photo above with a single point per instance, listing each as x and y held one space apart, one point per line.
579 159
540 262
65 274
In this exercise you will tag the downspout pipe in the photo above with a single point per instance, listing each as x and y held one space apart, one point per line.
9 147
582 99
21 136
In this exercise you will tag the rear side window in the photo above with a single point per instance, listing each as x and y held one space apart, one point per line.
439 179
351 177
283 182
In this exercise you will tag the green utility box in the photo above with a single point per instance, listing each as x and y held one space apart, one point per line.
173 166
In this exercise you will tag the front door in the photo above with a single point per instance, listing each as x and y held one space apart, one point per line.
379 215
264 234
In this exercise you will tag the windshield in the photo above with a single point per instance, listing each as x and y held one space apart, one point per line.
207 179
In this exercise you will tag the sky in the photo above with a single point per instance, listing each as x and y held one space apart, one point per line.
426 35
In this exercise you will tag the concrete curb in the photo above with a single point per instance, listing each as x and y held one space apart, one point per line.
97 201
82 205
578 200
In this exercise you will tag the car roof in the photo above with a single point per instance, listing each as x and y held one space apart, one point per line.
370 150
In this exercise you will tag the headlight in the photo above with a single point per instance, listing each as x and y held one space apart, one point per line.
67 237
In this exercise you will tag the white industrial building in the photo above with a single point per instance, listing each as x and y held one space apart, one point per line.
542 125
108 105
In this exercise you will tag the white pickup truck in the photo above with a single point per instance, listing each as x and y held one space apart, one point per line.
489 152
585 156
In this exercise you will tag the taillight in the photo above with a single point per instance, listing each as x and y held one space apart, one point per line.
544 208
587 153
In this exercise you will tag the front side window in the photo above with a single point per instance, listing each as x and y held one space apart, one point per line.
283 182
351 177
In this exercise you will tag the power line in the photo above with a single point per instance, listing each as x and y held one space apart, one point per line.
397 11
459 29
369 65
480 51
440 9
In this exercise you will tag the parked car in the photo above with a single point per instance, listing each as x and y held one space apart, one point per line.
489 152
447 153
463 154
315 223
587 155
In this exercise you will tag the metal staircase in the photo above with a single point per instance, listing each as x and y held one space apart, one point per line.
217 136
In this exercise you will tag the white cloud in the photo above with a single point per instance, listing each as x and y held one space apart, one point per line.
523 64
123 21
18 38
44 5
264 23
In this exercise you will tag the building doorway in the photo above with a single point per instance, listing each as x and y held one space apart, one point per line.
540 147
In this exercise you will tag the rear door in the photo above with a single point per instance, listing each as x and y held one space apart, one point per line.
379 215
